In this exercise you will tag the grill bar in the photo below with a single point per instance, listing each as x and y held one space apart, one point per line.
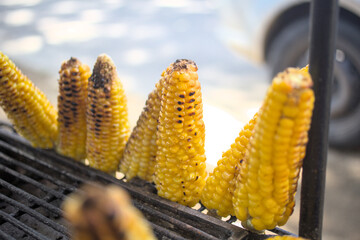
38 216
22 226
5 236
30 197
31 170
29 180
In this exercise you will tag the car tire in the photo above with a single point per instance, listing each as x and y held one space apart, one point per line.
289 49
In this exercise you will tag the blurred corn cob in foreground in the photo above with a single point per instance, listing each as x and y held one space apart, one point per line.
220 185
140 151
72 109
107 117
266 186
180 159
286 238
28 109
105 213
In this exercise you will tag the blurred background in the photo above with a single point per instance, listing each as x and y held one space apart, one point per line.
238 47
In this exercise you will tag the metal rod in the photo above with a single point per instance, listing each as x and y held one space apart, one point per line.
324 15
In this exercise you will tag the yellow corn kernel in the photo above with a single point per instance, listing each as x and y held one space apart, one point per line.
180 159
107 117
27 108
140 151
99 212
269 175
286 238
72 109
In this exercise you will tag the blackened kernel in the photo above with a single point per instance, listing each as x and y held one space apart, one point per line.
197 177
74 103
182 181
97 129
191 93
92 110
68 94
106 90
189 139
192 100
73 109
179 121
182 95
179 108
99 115
195 133
74 73
184 193
242 160
179 102
93 105
179 116
189 107
192 114
66 82
73 80
196 164
183 186
97 125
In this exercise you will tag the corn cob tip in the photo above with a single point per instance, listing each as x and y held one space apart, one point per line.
72 62
180 64
295 77
104 72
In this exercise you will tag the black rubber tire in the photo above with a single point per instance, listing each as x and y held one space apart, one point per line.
289 49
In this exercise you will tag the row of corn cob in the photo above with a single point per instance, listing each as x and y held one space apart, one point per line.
255 181
92 116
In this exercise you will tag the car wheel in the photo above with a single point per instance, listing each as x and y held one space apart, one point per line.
290 48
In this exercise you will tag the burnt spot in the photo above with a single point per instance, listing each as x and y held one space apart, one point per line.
191 93
89 203
197 177
184 193
192 114
93 91
179 109
99 115
195 133
106 90
183 64
97 125
179 121
75 91
107 97
93 105
14 110
92 110
183 186
74 73
180 103
73 109
182 182
182 95
241 161
189 139
189 107
192 100
97 129
106 106
73 80
74 104
179 116
65 82
196 164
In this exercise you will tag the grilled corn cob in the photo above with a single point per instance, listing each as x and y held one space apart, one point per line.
105 213
31 113
286 238
107 117
72 109
266 185
220 185
180 158
140 151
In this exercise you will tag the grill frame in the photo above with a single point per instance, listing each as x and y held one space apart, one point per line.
20 161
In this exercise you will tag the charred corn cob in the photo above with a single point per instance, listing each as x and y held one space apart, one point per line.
180 158
107 117
220 185
140 151
28 109
266 185
105 213
72 109
286 238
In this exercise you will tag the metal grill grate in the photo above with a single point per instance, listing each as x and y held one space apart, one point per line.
34 183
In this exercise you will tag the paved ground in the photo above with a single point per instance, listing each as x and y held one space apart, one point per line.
143 38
